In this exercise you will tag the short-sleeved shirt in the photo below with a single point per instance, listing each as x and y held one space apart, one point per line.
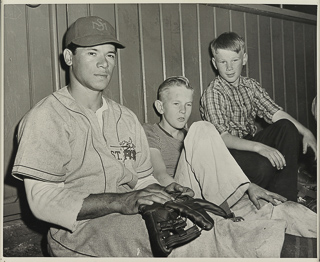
61 141
234 109
169 147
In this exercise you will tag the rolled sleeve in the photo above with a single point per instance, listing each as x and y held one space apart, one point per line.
53 203
265 106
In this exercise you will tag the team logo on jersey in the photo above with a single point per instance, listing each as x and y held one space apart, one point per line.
126 151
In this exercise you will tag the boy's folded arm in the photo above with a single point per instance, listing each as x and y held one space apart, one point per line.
308 137
159 168
273 155
234 142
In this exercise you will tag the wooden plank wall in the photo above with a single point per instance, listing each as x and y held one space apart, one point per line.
162 40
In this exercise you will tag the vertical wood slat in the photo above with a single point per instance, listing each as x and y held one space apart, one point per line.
207 30
252 46
289 68
265 54
181 41
199 49
284 67
131 61
153 63
162 43
191 54
259 50
172 39
305 83
54 46
61 11
215 22
230 21
295 71
277 61
302 112
246 37
31 95
145 108
272 60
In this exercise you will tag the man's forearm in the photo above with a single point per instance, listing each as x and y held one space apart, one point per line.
97 205
53 203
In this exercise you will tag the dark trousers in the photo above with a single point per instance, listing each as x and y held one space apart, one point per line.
283 136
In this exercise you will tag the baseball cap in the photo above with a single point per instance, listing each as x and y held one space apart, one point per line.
91 31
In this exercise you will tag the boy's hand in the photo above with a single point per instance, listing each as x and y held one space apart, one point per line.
309 140
275 157
255 193
175 187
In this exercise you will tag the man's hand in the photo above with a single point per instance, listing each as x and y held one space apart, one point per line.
152 193
309 140
131 201
175 187
275 157
255 193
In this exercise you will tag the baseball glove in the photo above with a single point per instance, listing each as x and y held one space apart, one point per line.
166 224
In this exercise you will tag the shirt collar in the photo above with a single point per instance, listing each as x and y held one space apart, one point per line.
226 84
66 99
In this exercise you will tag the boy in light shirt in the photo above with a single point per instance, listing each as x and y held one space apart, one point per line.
206 166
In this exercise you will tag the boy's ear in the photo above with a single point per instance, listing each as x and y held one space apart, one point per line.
159 106
67 54
245 58
214 63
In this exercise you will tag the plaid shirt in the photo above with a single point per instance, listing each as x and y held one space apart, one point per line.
234 109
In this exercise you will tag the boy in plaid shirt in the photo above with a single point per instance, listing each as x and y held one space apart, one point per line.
231 102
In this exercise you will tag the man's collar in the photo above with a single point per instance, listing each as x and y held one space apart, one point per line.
67 99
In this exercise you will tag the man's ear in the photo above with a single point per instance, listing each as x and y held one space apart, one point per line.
159 106
67 54
214 63
245 58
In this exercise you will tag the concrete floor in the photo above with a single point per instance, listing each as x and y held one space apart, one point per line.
24 239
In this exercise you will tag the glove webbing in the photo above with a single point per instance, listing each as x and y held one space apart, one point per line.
181 239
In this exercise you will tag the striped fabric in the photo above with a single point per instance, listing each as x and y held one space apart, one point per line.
299 247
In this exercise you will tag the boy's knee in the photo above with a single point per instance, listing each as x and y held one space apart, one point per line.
289 131
287 126
203 128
